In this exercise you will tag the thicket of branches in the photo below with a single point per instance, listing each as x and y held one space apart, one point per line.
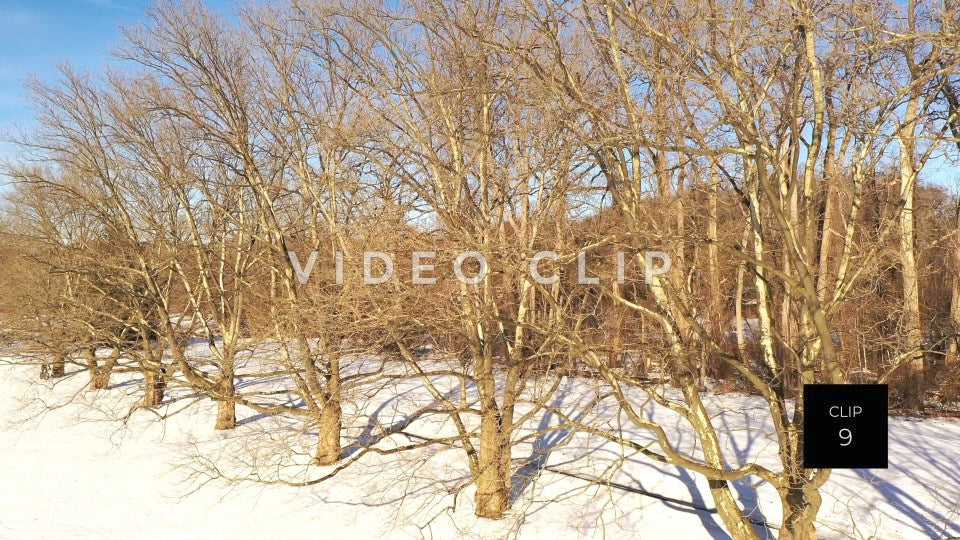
779 153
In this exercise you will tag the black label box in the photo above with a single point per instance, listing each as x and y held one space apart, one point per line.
845 426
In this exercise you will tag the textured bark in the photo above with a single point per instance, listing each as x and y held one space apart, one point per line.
226 408
760 283
800 506
491 497
909 170
492 493
328 438
330 423
154 387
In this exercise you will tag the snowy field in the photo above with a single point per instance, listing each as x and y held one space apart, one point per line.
84 464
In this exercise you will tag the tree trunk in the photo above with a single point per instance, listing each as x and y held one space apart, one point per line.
226 407
328 442
154 387
93 370
102 380
730 513
716 307
801 502
913 391
58 366
954 343
953 346
738 313
103 374
492 497
330 424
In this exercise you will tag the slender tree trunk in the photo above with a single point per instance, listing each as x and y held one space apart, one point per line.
738 312
507 421
954 344
730 512
764 302
824 277
716 308
913 392
906 140
154 380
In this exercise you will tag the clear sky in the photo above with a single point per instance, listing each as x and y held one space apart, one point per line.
37 35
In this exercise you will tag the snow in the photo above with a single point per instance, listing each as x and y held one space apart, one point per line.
79 464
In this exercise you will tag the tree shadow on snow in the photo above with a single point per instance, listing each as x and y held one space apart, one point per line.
939 486
543 445
291 401
374 431
745 491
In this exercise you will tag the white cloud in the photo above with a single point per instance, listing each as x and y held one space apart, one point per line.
110 4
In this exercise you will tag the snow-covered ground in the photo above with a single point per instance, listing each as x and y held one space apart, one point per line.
77 463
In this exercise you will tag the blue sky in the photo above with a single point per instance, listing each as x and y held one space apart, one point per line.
36 36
